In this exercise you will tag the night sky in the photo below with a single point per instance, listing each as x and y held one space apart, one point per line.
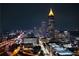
26 16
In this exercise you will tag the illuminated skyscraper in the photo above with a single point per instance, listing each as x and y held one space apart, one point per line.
51 24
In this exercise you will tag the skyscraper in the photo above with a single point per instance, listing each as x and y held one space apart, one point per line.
43 28
51 24
35 31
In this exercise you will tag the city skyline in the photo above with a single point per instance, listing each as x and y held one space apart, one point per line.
27 16
39 30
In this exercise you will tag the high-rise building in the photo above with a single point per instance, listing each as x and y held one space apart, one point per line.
43 28
51 24
67 36
36 32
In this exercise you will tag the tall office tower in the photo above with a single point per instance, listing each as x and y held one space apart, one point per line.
56 34
35 31
51 24
43 28
67 36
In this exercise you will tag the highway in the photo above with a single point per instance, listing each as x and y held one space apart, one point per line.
10 42
4 46
45 50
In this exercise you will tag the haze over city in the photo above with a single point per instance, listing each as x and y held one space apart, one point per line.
26 16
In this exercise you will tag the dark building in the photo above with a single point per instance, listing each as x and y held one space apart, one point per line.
43 28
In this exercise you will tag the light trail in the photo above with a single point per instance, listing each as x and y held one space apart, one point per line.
15 51
43 48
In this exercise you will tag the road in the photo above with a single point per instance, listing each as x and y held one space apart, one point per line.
13 41
45 50
5 44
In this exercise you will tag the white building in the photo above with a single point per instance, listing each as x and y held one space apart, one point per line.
31 40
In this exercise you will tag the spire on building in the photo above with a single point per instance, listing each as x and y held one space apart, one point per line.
51 13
